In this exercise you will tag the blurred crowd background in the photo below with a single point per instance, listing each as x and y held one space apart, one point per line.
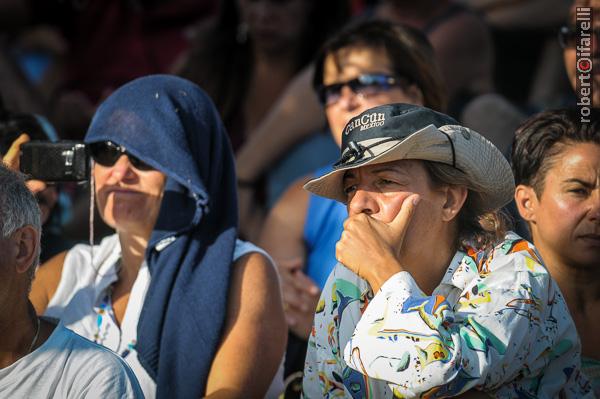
500 60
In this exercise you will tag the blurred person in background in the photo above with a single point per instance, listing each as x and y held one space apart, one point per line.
463 50
72 54
16 129
570 39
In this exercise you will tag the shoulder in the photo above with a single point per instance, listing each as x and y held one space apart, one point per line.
59 279
294 201
99 256
254 283
251 264
513 264
110 374
518 253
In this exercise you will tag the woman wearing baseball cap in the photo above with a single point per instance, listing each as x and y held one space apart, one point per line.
431 297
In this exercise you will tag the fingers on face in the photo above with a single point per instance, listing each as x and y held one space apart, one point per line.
402 219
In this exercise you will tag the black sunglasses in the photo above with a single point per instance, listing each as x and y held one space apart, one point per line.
366 84
569 35
107 153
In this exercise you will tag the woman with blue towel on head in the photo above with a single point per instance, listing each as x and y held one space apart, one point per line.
173 291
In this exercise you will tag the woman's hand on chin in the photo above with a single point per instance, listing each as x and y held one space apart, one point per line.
371 248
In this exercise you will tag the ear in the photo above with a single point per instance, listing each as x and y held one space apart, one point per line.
416 95
527 202
455 199
26 239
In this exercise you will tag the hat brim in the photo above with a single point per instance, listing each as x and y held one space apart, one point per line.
475 156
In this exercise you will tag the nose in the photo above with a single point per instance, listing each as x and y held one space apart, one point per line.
348 99
122 169
362 201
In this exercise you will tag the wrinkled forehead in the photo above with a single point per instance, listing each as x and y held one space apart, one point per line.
409 168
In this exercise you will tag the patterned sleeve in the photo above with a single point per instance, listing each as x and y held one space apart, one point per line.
419 344
325 373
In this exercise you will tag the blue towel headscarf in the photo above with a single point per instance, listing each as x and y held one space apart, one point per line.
172 125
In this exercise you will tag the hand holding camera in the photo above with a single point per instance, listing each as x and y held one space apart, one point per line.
12 160
48 162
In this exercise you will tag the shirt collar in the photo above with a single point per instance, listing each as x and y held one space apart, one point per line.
462 269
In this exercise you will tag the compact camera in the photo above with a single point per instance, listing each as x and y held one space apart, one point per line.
55 161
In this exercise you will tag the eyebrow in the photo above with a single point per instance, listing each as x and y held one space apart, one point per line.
582 182
386 168
349 174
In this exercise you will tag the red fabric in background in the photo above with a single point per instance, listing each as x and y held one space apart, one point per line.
114 41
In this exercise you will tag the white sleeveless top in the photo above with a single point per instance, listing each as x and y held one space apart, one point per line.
82 303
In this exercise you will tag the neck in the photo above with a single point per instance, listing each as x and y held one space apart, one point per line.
18 327
429 277
579 285
133 250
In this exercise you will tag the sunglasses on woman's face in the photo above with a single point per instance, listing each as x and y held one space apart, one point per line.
366 84
107 153
568 36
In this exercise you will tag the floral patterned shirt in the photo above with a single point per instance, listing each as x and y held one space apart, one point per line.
497 323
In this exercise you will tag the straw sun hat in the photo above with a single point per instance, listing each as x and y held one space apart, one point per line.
401 131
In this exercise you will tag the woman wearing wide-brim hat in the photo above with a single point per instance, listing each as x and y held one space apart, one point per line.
431 296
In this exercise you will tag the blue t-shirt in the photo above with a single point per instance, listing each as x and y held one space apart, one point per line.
322 229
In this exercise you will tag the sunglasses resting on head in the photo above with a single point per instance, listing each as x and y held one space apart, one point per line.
107 153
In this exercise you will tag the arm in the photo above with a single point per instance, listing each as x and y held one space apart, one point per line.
296 115
324 366
420 344
341 306
45 283
283 238
254 335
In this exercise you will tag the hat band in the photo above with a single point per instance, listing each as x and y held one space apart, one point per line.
356 150
451 146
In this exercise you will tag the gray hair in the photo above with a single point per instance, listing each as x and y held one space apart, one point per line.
18 207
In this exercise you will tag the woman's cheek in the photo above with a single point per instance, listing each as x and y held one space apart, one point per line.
391 205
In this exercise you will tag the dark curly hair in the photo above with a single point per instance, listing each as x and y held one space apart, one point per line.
408 50
541 138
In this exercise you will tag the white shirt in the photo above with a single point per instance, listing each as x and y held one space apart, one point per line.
79 303
497 323
69 366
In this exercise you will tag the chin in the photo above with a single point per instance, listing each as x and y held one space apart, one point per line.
586 259
134 220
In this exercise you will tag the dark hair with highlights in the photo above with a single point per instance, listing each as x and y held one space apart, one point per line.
478 226
408 50
541 138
